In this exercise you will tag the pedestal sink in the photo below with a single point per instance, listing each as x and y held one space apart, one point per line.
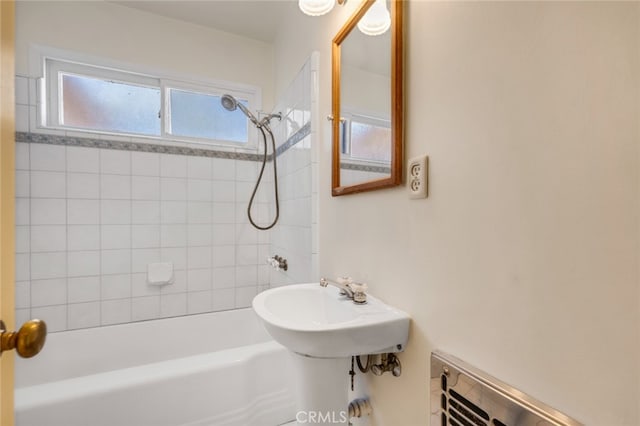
323 329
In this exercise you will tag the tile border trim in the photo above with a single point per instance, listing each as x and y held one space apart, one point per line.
365 168
299 135
43 138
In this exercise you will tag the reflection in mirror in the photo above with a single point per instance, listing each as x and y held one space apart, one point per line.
367 96
365 102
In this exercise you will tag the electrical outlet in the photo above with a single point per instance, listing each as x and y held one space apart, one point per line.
417 177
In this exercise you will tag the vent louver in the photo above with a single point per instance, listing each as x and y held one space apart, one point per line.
461 395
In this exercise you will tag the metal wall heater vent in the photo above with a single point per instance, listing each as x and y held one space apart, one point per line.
462 395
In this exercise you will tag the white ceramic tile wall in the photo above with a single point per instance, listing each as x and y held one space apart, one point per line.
294 236
89 221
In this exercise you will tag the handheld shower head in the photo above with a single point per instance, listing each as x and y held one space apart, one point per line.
231 104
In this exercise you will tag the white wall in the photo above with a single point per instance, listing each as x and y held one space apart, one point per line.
365 92
131 36
523 261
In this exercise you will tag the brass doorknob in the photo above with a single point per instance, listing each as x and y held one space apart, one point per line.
28 341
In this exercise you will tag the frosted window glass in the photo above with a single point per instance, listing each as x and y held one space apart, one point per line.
91 103
369 142
198 115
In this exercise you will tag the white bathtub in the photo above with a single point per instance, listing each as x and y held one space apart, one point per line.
217 369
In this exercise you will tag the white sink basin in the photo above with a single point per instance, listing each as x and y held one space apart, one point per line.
318 322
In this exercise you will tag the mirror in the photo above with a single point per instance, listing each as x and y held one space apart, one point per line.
367 97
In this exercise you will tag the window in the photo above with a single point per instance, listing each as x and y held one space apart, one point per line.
366 138
96 104
201 115
105 100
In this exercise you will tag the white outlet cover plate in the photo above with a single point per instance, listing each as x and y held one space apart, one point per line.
417 177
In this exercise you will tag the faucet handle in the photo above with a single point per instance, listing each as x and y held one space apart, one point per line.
359 292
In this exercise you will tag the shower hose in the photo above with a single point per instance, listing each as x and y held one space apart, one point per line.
275 179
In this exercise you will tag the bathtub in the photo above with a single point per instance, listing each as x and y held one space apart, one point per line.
217 369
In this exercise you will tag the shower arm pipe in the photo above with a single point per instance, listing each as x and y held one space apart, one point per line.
264 121
262 127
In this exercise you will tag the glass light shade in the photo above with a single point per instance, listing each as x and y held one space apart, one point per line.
377 20
316 7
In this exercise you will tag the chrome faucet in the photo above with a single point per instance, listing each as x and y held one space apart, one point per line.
344 287
354 291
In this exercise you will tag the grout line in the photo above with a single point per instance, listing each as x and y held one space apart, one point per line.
66 224
30 233
130 237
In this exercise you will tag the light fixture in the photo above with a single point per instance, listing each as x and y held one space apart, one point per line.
318 7
377 19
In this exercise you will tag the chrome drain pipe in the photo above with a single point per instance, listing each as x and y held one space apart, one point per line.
360 407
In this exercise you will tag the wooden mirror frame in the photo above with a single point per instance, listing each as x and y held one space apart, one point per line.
397 100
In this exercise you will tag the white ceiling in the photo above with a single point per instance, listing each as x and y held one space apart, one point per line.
256 19
260 20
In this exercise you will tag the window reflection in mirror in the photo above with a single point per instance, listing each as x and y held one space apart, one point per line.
366 149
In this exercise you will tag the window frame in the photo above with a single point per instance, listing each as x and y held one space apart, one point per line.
50 91
364 118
